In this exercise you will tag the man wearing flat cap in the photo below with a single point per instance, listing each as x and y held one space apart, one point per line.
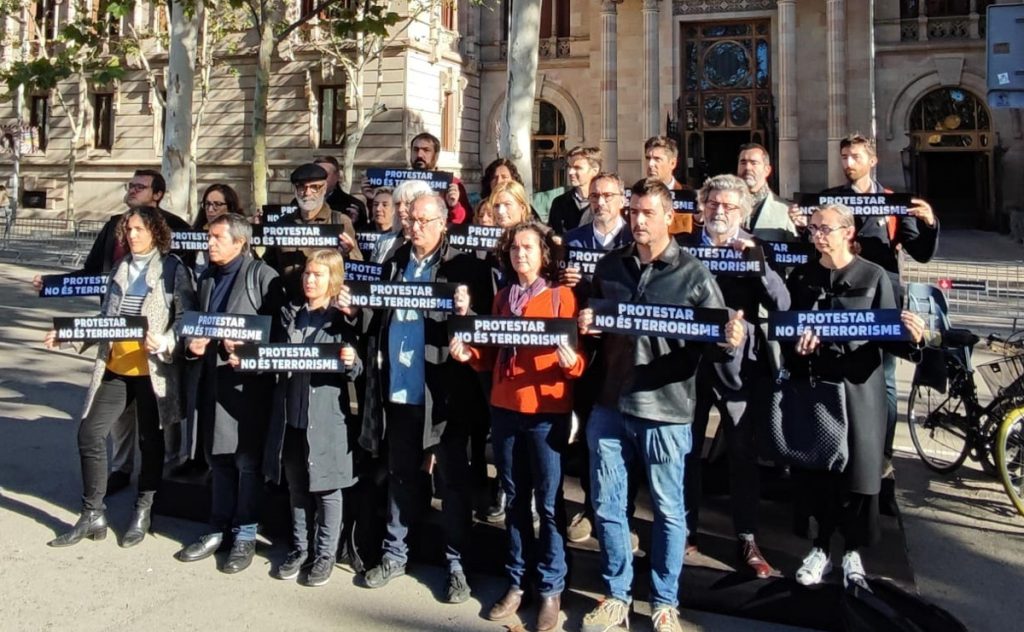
310 183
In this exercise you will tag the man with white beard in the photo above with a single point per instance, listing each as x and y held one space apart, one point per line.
725 204
310 182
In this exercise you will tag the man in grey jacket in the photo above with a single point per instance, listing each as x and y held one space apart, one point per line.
645 405
769 219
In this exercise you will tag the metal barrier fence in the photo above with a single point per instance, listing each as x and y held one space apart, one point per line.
983 295
65 241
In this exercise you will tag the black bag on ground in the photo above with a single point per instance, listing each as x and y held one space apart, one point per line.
807 424
888 608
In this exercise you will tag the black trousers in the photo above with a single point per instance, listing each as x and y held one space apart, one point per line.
738 411
824 496
114 395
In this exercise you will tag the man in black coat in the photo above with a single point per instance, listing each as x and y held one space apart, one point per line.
726 204
231 408
417 402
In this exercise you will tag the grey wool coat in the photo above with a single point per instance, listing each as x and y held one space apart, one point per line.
164 368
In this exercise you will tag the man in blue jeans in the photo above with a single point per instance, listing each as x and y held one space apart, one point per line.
645 406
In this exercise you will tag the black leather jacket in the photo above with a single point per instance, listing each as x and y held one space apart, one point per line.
650 377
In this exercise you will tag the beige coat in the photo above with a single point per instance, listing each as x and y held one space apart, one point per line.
164 368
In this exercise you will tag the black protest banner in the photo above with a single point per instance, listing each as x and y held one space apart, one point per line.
663 321
295 358
73 284
474 237
512 331
683 200
727 261
274 213
582 259
244 327
866 204
417 296
782 254
362 271
297 235
838 325
190 240
100 328
368 241
438 180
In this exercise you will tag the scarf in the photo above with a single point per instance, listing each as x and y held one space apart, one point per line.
518 297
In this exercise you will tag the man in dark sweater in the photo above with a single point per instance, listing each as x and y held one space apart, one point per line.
572 208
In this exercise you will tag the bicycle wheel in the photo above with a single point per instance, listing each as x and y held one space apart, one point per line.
1010 456
939 428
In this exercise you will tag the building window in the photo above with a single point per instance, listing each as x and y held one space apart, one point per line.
39 119
449 122
942 19
450 15
46 19
332 116
554 18
103 121
101 13
548 147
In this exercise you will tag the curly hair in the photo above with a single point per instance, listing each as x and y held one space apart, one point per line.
154 222
485 182
550 249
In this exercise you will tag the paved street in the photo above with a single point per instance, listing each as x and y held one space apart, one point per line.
966 547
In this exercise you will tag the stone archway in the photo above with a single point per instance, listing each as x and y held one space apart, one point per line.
554 94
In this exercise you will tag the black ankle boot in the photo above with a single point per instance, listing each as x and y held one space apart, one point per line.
91 524
137 528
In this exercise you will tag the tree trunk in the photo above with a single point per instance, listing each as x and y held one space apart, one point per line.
261 98
77 124
524 34
179 81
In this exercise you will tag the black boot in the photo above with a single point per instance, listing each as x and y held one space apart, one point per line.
91 524
137 528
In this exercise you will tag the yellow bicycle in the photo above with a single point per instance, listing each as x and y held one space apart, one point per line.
1009 451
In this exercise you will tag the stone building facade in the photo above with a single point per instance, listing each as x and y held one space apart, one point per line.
794 76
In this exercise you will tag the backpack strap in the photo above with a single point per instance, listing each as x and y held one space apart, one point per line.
252 283
170 272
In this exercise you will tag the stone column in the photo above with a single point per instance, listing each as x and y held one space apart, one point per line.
652 67
609 85
835 36
788 160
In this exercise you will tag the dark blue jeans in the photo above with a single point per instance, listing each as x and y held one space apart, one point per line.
528 454
317 513
237 482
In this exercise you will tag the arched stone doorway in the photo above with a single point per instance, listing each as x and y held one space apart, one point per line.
951 142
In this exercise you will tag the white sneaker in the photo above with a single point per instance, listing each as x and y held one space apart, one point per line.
853 570
814 568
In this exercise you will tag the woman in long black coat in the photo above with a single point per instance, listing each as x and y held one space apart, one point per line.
312 435
838 280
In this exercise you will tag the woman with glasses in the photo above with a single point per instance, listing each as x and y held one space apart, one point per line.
531 410
844 501
150 283
217 200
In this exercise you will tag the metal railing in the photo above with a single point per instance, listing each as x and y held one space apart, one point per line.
980 295
66 242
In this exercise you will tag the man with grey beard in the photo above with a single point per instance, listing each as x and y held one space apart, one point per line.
769 219
310 182
726 203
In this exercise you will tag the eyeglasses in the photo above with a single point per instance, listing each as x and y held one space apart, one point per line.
607 197
312 187
135 186
728 208
824 230
212 204
420 223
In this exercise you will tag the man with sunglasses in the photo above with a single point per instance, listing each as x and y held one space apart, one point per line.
310 184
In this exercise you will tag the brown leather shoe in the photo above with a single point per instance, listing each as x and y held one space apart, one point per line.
507 605
754 560
550 609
